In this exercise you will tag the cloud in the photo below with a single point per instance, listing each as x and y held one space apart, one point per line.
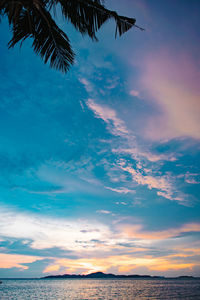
47 232
121 190
62 177
76 235
139 154
153 182
142 175
192 178
107 212
97 247
109 115
123 264
134 93
137 231
171 80
87 84
16 261
122 203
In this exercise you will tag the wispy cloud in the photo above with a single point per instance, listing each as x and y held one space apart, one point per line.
87 84
109 115
139 154
192 178
106 212
121 190
160 183
142 175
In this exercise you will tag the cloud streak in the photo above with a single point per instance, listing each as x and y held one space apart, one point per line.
109 116
141 175
159 183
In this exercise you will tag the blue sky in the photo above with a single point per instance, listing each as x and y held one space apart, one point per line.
100 167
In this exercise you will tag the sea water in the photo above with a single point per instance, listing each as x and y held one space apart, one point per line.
109 289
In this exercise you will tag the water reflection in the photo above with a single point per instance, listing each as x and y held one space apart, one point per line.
99 289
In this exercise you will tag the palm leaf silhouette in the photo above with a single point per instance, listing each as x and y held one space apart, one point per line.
33 19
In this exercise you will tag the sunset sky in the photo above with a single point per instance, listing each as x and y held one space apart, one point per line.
99 168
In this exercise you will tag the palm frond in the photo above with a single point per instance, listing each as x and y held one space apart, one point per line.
88 16
49 41
32 19
12 9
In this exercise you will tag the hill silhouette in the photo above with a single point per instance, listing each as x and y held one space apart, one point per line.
99 275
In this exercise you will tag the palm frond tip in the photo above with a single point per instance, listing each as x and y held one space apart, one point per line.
33 19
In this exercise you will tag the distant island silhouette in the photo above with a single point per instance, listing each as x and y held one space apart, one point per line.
99 275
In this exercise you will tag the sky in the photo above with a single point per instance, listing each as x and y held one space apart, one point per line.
99 168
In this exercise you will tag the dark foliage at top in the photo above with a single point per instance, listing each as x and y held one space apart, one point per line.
33 19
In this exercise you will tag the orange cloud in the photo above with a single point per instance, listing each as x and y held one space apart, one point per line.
123 263
137 232
16 261
52 268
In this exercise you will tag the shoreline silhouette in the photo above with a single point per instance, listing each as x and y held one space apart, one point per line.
101 275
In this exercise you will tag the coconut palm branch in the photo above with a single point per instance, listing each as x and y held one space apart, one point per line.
33 19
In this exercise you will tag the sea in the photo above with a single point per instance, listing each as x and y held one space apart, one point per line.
109 289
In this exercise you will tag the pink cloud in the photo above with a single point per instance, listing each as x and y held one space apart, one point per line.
153 182
134 93
172 81
192 178
138 153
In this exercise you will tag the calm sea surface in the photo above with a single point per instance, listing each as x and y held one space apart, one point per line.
83 289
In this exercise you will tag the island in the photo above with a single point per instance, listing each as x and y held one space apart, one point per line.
101 275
